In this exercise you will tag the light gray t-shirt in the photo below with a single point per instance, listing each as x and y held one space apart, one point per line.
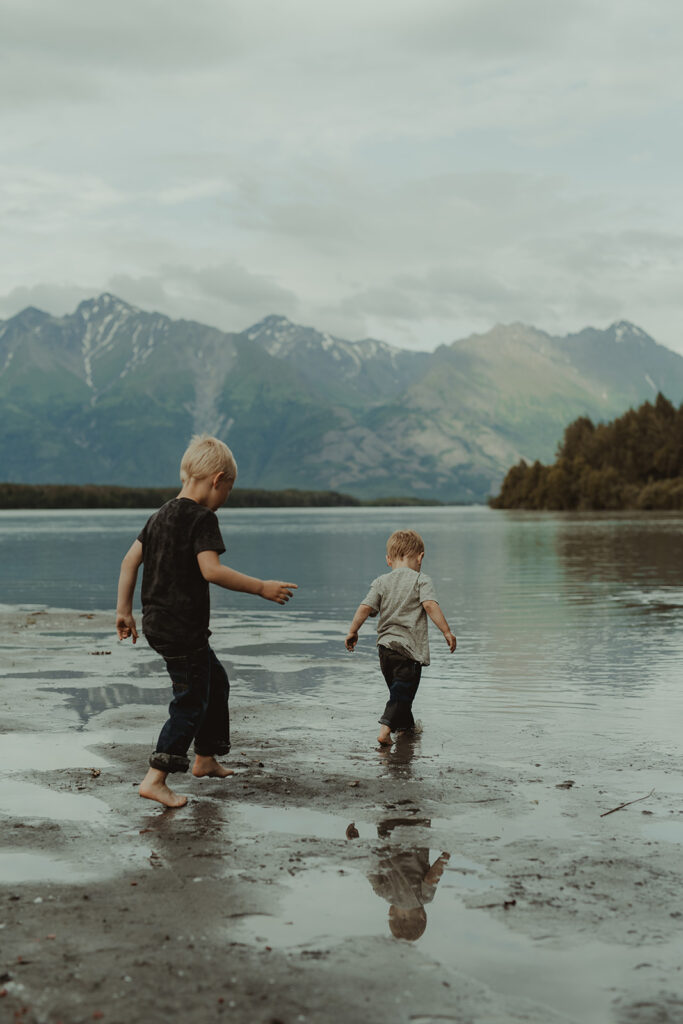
402 625
401 879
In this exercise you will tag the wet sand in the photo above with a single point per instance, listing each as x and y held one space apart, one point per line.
258 903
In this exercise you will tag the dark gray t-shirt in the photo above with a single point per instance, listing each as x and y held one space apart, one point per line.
175 595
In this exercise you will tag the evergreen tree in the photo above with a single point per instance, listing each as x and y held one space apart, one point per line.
636 461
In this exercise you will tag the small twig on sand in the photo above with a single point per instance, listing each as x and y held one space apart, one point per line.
627 804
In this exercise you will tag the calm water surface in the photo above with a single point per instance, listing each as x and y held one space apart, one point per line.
570 646
550 610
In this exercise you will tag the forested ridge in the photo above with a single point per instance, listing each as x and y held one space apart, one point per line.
23 496
633 462
65 496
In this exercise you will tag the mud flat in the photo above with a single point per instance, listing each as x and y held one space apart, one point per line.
270 897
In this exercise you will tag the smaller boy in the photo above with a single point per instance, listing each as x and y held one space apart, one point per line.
407 881
179 547
403 598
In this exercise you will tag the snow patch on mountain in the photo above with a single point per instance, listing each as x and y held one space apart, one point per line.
625 331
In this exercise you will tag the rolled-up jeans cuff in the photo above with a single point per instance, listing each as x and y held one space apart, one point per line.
217 750
169 762
384 721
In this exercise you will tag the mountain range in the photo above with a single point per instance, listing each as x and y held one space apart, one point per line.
111 394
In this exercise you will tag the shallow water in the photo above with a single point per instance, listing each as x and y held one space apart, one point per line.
321 906
563 620
48 751
25 866
569 631
26 801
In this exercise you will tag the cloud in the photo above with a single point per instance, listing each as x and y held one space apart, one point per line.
232 284
146 36
412 171
47 199
225 295
147 292
495 29
57 299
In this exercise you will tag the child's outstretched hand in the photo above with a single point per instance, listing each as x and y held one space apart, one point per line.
276 590
437 869
450 640
351 641
125 627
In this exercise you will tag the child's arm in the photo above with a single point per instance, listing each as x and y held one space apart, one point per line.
213 572
437 869
125 623
434 612
362 612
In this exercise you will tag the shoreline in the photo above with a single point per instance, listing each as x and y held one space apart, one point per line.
252 904
19 497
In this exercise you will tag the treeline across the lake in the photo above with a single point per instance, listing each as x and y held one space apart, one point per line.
20 496
634 462
46 496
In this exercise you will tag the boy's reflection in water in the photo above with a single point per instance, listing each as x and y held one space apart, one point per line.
407 881
398 757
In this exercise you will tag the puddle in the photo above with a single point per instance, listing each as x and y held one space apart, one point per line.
320 906
302 821
323 906
541 820
299 821
275 679
49 751
19 868
273 650
126 855
23 800
668 831
47 674
514 964
91 701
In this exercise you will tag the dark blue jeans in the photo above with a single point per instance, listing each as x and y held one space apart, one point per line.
402 676
198 711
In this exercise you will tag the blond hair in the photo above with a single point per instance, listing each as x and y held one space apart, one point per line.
206 456
404 543
408 924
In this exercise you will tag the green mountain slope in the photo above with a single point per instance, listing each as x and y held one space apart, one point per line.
111 394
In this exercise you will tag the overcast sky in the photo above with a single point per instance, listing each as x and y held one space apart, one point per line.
412 170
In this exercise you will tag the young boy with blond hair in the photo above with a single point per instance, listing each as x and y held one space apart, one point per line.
403 598
179 550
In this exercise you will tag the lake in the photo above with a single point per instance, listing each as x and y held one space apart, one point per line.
562 702
559 617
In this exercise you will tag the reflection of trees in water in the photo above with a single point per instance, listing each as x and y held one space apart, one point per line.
95 699
643 551
584 602
572 548
267 680
622 595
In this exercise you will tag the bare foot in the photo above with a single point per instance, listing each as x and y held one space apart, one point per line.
153 787
384 738
208 767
